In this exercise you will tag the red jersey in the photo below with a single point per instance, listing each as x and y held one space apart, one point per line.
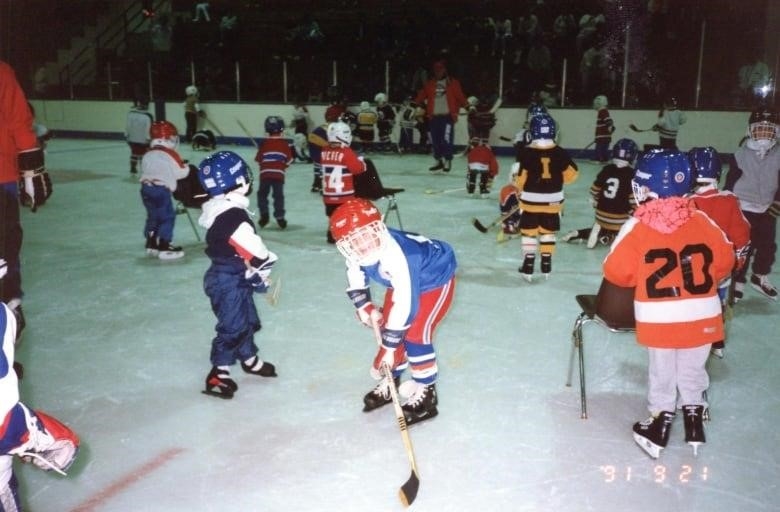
604 126
273 156
723 208
339 166
482 159
674 256
16 125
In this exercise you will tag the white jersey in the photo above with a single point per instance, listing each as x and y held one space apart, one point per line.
138 124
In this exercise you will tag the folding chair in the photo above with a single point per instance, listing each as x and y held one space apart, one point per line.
613 308
389 194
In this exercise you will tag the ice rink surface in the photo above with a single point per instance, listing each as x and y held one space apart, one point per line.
117 346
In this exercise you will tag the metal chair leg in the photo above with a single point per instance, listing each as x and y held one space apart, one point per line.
180 208
393 206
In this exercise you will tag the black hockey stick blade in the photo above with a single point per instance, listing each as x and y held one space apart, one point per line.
480 227
408 491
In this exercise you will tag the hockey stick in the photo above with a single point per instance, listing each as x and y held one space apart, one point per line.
633 127
589 145
243 128
505 139
273 296
432 191
593 239
484 229
408 491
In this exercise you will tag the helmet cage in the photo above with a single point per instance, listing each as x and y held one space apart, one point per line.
363 244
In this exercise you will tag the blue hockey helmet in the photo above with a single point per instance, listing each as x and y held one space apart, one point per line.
222 172
661 173
626 150
535 109
705 164
542 127
274 124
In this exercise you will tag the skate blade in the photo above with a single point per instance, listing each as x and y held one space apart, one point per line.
528 277
224 396
652 449
695 445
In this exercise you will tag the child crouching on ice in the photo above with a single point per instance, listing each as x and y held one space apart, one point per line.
240 266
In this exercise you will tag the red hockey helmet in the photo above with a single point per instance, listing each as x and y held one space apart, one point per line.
164 133
359 231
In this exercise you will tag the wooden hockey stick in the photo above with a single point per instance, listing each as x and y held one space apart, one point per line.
243 128
273 296
633 127
484 229
408 491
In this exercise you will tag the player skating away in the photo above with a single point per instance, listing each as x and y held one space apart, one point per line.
604 128
31 435
192 111
754 177
240 266
611 196
137 126
673 256
161 168
385 122
542 169
482 167
366 126
419 276
723 208
274 156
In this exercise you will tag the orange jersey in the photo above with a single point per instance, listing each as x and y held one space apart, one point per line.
339 166
674 256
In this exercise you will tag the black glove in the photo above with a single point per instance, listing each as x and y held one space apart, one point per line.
34 182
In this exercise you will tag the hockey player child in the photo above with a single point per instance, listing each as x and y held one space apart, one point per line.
482 167
300 128
542 169
240 266
366 124
407 125
723 209
161 167
139 121
385 122
318 140
192 111
604 129
523 137
611 196
345 174
670 119
274 156
754 177
31 435
673 256
419 275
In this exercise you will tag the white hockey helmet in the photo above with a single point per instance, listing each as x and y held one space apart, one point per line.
472 101
364 105
600 102
191 90
380 98
340 133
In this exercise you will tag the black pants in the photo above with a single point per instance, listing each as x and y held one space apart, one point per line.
763 229
10 242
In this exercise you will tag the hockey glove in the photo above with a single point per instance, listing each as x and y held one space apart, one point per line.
391 352
774 209
34 181
367 313
260 276
49 444
741 256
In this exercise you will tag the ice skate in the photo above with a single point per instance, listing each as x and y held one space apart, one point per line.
694 428
151 245
379 396
257 366
761 283
438 166
739 291
219 384
572 237
168 251
263 222
717 349
282 223
421 402
15 305
546 265
652 434
316 185
527 270
447 165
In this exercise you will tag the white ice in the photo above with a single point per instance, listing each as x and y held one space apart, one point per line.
117 346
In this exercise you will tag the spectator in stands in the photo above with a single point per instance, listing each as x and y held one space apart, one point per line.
754 79
201 8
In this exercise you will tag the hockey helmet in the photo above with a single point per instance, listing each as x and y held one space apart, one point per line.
164 133
191 90
670 103
380 98
600 102
359 231
661 173
141 103
534 110
364 105
705 165
625 150
762 130
542 127
340 133
274 125
223 172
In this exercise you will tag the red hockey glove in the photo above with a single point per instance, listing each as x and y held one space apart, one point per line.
366 312
391 352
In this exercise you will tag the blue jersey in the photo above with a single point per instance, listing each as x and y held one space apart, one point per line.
411 265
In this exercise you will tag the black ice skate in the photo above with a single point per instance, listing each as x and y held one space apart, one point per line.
168 251
762 284
379 396
219 384
282 223
316 185
152 248
546 265
527 270
257 366
421 404
263 222
694 428
437 167
652 434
